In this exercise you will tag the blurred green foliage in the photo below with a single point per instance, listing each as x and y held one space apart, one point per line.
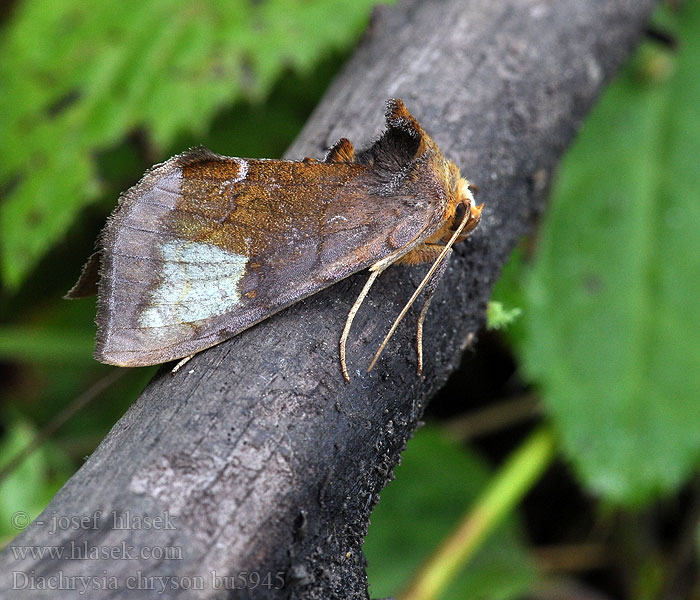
78 77
610 320
611 304
438 478
32 484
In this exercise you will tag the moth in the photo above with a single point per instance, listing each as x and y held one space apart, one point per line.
205 246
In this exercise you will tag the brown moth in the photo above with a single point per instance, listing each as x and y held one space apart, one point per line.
205 246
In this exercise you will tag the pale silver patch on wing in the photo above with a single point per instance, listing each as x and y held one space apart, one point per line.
228 184
198 281
242 170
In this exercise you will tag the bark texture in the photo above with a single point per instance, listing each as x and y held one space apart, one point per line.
257 455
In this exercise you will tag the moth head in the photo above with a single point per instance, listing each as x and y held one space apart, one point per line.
466 207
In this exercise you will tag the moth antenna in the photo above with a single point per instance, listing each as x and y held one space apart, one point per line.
423 283
351 315
419 334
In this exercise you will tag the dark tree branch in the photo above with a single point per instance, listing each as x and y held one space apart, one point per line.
262 456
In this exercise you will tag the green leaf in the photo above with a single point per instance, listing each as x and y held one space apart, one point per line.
435 484
78 77
613 299
509 290
25 492
500 317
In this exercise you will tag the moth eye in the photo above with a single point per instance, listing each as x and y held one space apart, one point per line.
460 211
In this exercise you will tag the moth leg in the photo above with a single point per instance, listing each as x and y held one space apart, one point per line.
181 363
430 288
426 253
351 315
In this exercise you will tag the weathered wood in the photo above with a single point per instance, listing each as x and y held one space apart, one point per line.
262 458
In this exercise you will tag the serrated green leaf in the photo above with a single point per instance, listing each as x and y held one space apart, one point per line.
613 300
436 482
78 77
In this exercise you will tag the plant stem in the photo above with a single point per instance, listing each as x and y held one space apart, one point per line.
515 478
